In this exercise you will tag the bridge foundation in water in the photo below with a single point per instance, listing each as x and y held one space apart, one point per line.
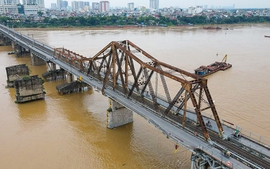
15 72
19 51
29 88
36 61
53 73
118 115
4 41
72 86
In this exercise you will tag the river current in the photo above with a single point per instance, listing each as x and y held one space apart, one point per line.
69 131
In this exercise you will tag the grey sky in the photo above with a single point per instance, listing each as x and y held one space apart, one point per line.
182 3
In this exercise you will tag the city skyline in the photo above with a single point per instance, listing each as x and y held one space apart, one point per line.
181 3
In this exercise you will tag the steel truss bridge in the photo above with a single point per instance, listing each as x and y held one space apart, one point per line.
159 92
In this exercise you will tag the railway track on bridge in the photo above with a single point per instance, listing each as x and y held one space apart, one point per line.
246 155
237 148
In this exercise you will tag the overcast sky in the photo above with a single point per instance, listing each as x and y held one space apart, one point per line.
181 3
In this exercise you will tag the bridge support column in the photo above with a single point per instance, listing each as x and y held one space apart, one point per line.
1 40
29 89
36 61
53 66
13 44
4 41
70 77
53 73
118 115
16 72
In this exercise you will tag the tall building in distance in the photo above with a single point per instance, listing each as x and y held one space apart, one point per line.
131 6
53 6
33 2
59 4
154 4
80 6
95 6
64 5
104 6
10 2
9 6
33 6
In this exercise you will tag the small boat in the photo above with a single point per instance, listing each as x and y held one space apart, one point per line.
210 27
212 68
11 52
266 36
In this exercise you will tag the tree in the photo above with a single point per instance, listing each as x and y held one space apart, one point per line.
40 13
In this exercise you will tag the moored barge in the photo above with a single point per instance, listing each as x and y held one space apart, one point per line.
212 68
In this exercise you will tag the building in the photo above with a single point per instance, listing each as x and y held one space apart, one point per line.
80 6
104 6
20 9
195 10
53 6
33 2
64 5
131 6
9 6
95 6
154 4
31 7
8 9
59 4
10 2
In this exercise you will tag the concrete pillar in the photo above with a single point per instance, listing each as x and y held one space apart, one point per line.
118 115
15 72
53 66
1 40
13 44
29 89
4 40
36 61
70 77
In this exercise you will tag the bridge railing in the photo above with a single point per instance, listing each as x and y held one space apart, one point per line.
255 137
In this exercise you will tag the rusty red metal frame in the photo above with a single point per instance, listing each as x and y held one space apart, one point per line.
129 69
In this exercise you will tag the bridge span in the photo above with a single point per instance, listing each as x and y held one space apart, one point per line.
160 93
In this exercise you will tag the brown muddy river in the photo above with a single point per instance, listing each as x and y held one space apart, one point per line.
69 131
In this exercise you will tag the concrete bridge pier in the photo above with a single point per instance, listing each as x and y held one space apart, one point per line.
52 66
4 41
118 115
19 51
36 61
53 73
70 77
72 86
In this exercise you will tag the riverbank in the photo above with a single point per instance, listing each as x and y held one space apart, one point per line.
222 26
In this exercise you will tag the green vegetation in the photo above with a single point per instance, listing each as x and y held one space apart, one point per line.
97 21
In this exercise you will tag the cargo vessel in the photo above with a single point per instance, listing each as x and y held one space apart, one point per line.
212 68
210 27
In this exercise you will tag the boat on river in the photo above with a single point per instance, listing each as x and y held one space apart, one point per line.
11 52
212 68
266 36
211 27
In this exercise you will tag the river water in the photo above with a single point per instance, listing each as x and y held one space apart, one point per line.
69 131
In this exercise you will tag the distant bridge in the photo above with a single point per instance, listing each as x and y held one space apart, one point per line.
160 93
